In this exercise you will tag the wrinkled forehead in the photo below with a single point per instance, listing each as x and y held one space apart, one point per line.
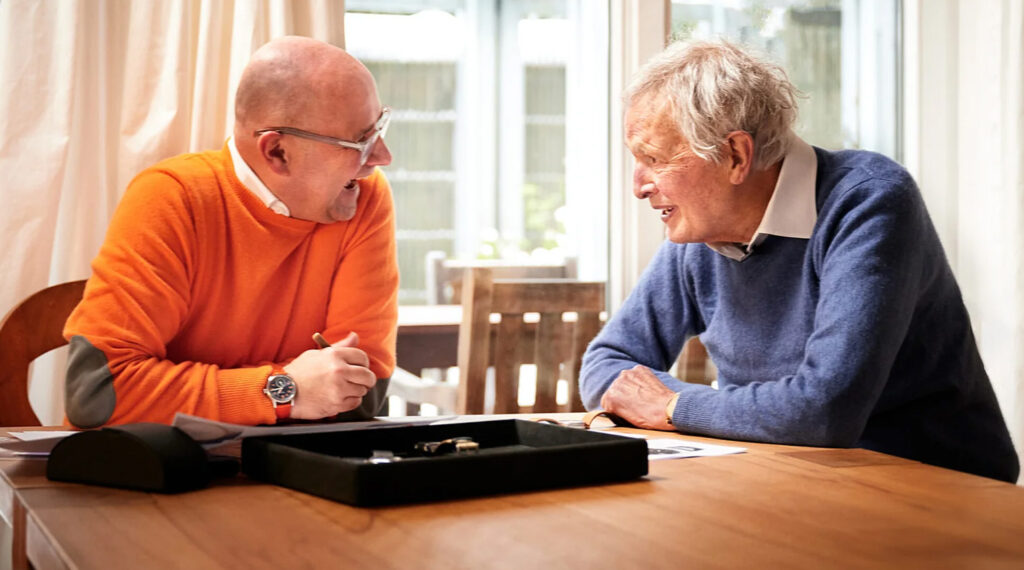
650 117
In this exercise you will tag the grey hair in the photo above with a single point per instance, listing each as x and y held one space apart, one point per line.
716 87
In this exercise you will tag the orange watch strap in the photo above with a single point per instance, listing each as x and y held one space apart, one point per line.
281 411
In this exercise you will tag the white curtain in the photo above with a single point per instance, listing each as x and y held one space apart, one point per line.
93 92
966 148
990 193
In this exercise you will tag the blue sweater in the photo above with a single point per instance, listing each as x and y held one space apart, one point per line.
856 337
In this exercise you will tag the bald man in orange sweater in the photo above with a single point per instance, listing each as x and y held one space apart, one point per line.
219 266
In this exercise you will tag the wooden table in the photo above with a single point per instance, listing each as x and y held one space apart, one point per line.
774 506
428 336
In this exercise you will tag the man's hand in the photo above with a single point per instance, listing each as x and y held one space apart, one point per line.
638 397
330 380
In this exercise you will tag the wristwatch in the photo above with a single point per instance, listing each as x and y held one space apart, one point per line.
281 390
670 408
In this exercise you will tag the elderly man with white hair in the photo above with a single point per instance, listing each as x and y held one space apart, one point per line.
815 279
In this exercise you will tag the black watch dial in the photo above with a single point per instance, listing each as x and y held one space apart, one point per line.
281 388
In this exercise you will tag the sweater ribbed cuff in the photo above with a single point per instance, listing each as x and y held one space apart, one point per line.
695 408
241 396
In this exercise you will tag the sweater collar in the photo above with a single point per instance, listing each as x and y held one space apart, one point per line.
792 210
252 183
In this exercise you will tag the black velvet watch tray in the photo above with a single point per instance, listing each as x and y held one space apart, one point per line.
513 456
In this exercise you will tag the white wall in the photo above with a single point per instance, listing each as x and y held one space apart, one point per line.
639 30
964 128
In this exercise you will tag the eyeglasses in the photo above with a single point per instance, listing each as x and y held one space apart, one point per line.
364 145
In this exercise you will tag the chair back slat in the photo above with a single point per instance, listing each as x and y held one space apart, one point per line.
474 341
32 328
546 295
506 359
549 333
588 324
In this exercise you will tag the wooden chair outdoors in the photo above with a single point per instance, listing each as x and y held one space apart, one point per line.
444 286
31 329
444 276
693 365
555 346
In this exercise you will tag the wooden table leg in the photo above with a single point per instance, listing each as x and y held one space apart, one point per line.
19 560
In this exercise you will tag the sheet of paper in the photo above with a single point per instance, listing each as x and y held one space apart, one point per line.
665 448
33 442
210 433
34 435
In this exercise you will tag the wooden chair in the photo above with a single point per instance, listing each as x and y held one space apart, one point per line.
444 276
444 286
693 365
32 328
554 345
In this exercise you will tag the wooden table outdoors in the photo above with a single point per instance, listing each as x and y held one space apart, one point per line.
772 507
428 336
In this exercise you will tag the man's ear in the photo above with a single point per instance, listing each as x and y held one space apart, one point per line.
740 155
272 153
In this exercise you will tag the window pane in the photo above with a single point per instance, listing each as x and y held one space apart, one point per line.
842 54
483 160
413 54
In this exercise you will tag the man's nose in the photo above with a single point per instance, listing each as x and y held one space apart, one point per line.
643 184
381 155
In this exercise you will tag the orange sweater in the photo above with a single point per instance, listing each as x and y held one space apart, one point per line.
199 290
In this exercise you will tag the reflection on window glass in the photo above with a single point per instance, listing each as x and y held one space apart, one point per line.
479 134
842 54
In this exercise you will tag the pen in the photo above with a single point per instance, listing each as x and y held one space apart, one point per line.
320 340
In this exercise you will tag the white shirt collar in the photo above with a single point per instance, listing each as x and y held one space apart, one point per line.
253 183
792 210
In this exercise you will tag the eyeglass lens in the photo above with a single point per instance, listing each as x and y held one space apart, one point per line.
381 128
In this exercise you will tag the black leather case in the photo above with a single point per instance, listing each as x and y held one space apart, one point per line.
142 456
